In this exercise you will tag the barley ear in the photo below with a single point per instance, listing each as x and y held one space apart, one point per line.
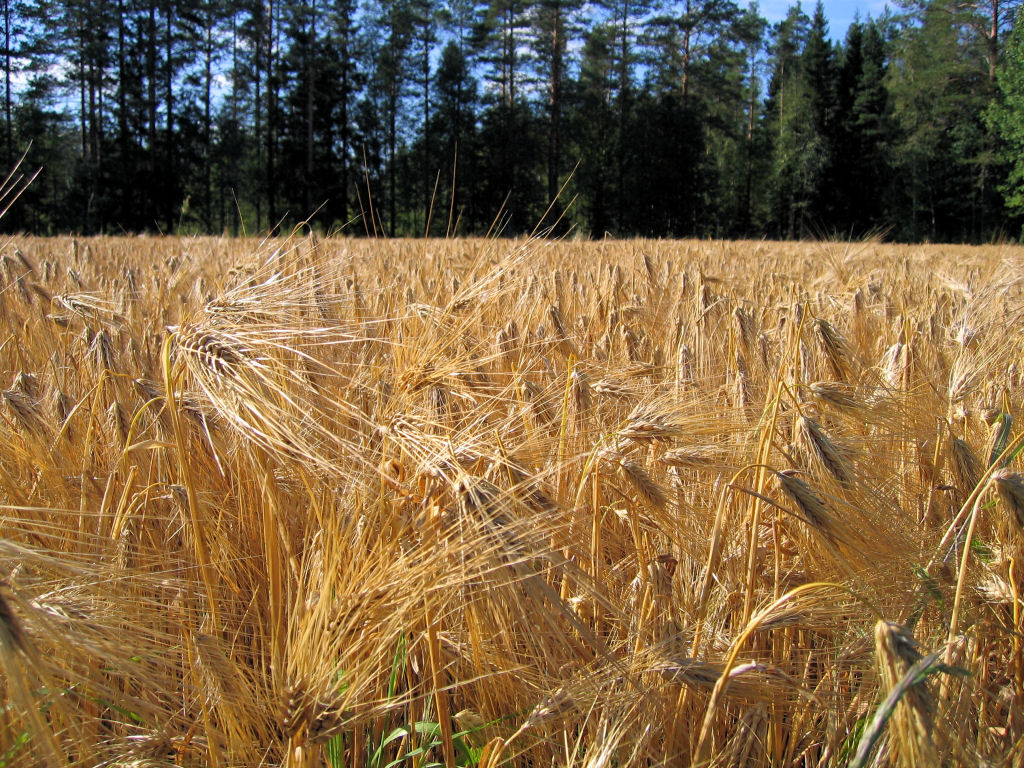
1010 487
909 706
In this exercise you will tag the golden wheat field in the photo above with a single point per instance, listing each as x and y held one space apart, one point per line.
335 502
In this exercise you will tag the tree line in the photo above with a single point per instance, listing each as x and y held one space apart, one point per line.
411 117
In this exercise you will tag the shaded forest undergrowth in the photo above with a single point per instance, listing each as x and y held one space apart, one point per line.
482 502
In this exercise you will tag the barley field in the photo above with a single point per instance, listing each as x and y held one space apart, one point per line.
333 502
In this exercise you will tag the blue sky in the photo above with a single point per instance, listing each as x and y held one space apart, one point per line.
840 15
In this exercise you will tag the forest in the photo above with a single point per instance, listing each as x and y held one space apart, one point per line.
692 118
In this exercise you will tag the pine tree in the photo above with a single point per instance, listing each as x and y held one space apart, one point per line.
847 138
73 41
592 123
455 132
938 96
39 117
207 37
345 80
728 99
687 37
425 25
238 195
626 20
700 72
798 150
553 24
820 75
8 28
509 134
392 26
870 133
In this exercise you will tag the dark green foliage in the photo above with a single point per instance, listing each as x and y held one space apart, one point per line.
685 118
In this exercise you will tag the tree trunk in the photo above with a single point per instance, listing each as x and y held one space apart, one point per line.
555 104
258 105
687 33
207 121
151 76
425 72
310 100
8 123
620 192
392 141
749 175
343 118
272 32
169 169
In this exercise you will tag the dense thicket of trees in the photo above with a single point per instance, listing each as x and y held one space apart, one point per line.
643 117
